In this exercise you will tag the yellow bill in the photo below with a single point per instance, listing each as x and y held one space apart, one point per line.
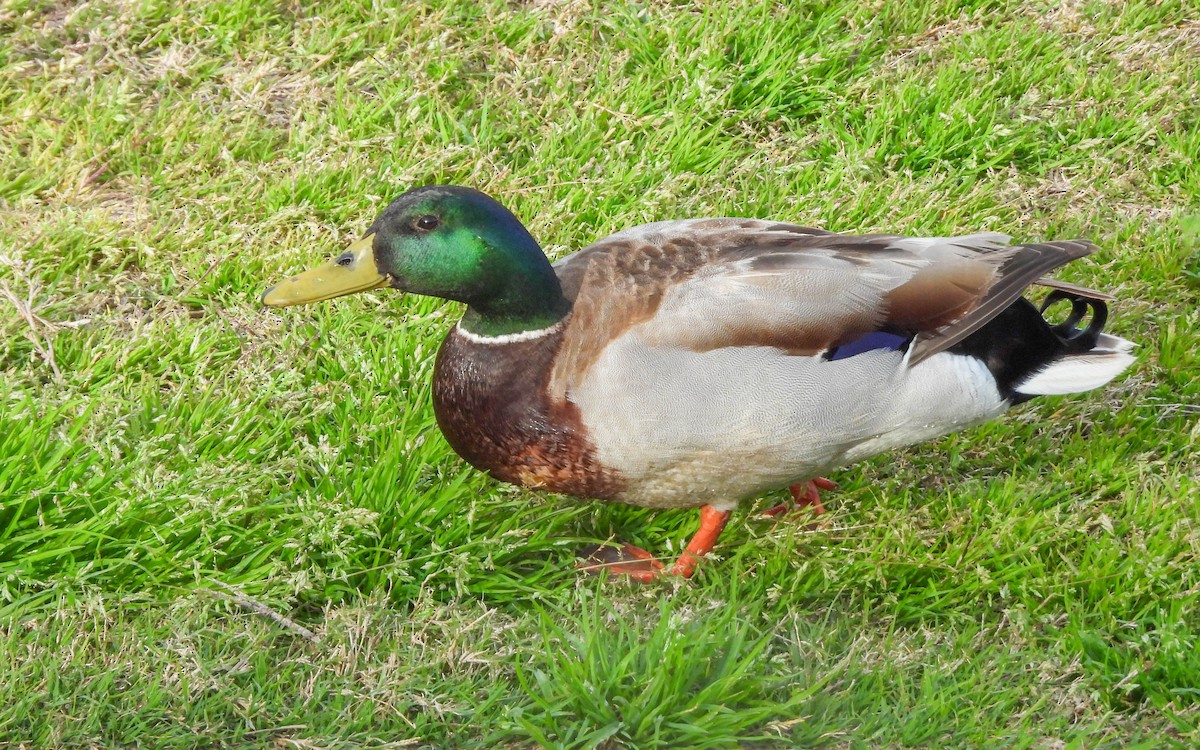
352 271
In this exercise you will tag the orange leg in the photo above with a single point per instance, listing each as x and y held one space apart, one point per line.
803 495
640 565
712 522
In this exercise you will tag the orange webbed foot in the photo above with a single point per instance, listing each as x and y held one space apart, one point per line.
627 559
804 494
641 566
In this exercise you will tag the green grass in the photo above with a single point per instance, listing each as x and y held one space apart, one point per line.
1033 583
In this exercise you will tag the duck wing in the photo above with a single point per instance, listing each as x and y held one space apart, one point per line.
704 284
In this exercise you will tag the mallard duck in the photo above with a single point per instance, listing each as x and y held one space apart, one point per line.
702 362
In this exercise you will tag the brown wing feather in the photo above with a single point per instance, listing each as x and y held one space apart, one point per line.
1083 291
1023 265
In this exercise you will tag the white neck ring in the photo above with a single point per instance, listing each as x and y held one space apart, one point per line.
509 338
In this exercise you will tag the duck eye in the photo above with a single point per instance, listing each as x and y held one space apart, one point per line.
427 223
345 259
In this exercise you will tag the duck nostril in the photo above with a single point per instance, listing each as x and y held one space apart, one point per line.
345 259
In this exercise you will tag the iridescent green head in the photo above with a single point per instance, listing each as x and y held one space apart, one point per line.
450 242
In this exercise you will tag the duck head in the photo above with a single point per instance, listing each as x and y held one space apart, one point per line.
443 241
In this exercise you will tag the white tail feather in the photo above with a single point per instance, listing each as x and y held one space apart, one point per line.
1107 341
1076 373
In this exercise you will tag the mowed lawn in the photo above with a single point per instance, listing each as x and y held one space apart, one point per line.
223 526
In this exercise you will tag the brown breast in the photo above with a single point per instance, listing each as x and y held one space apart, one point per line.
492 405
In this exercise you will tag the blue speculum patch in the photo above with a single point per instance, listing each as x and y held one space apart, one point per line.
870 342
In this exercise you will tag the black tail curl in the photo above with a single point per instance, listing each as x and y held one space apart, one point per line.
1074 338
